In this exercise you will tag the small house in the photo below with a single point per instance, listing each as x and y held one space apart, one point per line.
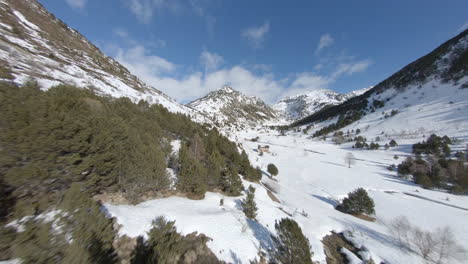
263 149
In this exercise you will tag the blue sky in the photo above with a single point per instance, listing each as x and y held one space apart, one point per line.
267 48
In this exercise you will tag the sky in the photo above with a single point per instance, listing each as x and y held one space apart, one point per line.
267 48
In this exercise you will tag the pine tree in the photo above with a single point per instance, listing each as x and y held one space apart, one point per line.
214 164
272 169
91 230
163 242
230 182
192 175
292 247
357 202
249 207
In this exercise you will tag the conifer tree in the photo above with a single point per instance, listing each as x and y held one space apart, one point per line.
163 242
292 246
230 182
249 207
214 165
192 175
272 169
357 202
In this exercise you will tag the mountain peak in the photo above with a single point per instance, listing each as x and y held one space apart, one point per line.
229 107
301 105
226 89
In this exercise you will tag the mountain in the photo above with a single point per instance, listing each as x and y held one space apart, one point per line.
35 44
230 108
299 106
430 95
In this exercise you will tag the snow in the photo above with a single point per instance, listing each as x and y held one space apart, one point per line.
28 56
299 106
25 21
175 144
232 235
227 107
46 217
312 179
432 108
352 259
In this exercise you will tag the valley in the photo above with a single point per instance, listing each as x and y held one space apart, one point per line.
99 165
309 186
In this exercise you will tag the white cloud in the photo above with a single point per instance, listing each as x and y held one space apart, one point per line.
351 68
185 84
305 82
144 10
326 40
256 35
463 27
211 61
138 61
80 4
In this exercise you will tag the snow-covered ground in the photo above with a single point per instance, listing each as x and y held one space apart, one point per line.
312 178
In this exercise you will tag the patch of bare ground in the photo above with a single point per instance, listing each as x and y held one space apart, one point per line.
365 217
333 243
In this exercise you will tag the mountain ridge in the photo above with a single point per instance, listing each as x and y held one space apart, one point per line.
299 106
34 44
229 107
446 67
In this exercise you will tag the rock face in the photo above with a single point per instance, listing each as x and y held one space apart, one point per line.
299 106
34 44
230 108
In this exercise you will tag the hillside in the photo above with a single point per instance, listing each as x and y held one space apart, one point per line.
98 167
35 44
302 105
429 94
227 107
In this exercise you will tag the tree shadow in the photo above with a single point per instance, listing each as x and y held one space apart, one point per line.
391 178
327 200
238 205
262 234
373 234
235 258
332 163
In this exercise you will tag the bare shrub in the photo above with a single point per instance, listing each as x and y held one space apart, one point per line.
350 159
439 246
424 242
447 248
400 227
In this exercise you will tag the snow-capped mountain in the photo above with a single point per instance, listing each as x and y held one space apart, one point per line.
35 44
427 96
300 106
230 108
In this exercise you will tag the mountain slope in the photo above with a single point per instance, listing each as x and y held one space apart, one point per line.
228 107
35 44
300 106
435 84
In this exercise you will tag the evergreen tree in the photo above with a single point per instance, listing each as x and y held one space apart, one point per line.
163 242
249 207
214 166
230 182
357 202
91 230
192 175
292 247
38 244
272 169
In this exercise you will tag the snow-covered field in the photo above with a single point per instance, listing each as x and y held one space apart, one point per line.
312 178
